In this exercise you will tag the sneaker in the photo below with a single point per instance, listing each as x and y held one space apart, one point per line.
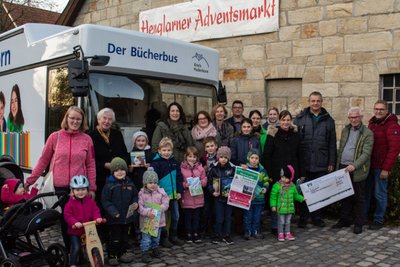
196 238
319 223
113 261
357 229
216 240
189 238
156 253
375 226
281 237
227 240
127 257
146 257
289 236
340 224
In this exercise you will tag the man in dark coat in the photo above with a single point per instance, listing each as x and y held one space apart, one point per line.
318 147
386 149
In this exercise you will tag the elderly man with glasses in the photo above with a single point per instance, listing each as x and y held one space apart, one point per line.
354 155
385 152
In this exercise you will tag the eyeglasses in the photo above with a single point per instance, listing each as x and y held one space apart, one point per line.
237 107
74 119
354 118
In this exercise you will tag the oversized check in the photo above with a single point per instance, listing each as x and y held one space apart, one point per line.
327 189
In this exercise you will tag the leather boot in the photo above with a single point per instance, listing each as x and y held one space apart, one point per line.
164 242
173 237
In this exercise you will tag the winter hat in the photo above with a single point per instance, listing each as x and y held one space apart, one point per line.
253 151
118 164
288 172
13 183
137 134
150 176
224 151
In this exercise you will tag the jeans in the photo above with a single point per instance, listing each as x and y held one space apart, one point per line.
252 219
284 223
303 210
174 209
192 220
223 218
75 249
149 242
378 187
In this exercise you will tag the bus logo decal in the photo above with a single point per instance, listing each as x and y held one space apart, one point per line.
200 63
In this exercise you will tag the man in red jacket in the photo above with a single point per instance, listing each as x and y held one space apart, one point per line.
386 149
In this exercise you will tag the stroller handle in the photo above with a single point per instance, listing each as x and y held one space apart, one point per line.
22 206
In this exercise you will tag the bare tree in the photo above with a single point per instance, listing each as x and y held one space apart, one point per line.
11 14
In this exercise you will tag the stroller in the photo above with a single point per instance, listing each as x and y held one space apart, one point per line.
20 225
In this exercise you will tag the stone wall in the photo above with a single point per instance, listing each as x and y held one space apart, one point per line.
338 47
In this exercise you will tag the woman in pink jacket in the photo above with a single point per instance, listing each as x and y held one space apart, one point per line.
69 152
194 179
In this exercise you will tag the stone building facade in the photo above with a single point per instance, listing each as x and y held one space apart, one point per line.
338 47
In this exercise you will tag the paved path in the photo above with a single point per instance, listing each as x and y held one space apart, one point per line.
313 247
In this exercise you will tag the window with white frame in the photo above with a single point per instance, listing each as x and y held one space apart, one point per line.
390 84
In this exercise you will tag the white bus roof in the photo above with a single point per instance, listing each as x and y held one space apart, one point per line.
129 51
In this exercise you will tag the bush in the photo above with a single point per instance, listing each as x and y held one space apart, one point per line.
393 210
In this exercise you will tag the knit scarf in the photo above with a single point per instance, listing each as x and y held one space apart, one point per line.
105 135
199 133
177 134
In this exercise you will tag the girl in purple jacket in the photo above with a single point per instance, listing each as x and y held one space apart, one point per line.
194 179
79 209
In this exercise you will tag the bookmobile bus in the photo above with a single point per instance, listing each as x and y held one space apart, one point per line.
53 67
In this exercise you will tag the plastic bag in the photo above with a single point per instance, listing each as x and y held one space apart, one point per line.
47 186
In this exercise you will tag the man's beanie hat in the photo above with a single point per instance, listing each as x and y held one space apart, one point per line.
224 151
150 176
118 164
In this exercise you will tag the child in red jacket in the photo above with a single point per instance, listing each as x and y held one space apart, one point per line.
79 209
13 192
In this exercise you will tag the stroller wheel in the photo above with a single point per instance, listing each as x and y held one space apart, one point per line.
57 255
10 263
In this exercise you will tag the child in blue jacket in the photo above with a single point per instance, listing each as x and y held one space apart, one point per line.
170 179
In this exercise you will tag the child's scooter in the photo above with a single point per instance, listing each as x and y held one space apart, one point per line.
90 239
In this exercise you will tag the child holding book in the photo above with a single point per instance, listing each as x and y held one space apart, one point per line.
13 192
252 217
119 199
220 178
79 209
194 179
141 157
283 195
169 173
153 203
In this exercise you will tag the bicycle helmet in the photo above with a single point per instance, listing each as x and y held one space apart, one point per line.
79 181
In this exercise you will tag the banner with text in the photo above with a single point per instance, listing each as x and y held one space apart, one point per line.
242 188
211 19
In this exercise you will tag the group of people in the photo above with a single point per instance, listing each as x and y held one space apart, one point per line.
191 171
